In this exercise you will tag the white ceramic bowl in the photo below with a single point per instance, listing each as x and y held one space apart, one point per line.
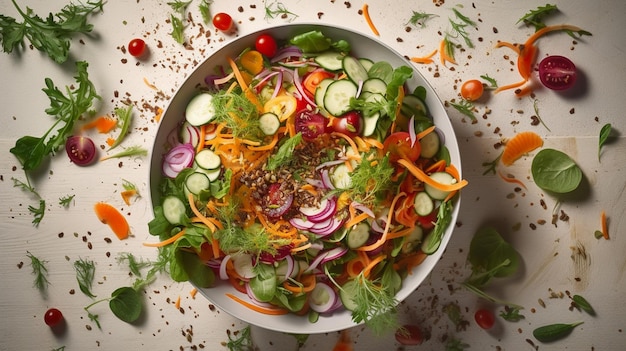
362 46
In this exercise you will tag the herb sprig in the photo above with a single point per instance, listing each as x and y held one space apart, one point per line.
419 18
51 35
535 17
66 200
85 270
40 271
37 212
278 9
605 134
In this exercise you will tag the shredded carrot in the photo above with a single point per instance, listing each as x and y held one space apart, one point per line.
512 179
127 195
307 281
159 114
103 124
443 54
356 265
510 86
383 237
201 139
436 167
356 220
519 145
375 143
411 261
400 233
425 59
203 218
372 264
605 225
508 45
348 139
368 19
108 214
150 85
264 310
177 304
421 176
110 141
301 248
193 293
248 93
167 241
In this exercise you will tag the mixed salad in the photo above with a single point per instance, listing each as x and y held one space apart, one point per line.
308 178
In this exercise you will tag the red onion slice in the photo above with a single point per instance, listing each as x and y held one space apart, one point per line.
223 273
322 298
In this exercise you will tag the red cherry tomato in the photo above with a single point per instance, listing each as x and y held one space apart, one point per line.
81 150
266 44
310 124
557 72
409 334
350 124
484 318
398 145
136 47
472 90
53 317
223 22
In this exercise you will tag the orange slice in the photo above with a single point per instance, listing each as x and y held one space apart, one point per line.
520 145
108 214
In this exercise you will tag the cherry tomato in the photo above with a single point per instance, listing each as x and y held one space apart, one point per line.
409 334
398 145
484 318
136 47
53 317
266 44
428 222
350 123
223 22
557 72
310 124
472 90
81 150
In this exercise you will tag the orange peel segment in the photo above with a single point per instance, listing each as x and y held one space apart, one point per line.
520 145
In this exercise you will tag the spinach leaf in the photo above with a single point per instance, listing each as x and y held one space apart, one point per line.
126 304
555 171
315 42
605 133
488 250
553 332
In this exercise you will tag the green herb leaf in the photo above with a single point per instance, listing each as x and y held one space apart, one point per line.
205 11
31 151
178 29
375 305
126 304
491 165
239 341
535 17
605 133
94 318
459 28
51 35
66 200
583 304
536 108
420 18
315 41
38 212
553 332
85 271
512 314
368 180
130 151
466 108
488 252
40 271
276 8
179 6
284 153
493 84
125 116
556 172
444 217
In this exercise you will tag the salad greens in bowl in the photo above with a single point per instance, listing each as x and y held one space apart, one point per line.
305 179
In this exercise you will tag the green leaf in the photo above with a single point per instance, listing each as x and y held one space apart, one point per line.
556 172
126 304
284 153
465 107
583 304
488 250
512 314
197 271
315 41
177 29
85 270
40 271
420 18
554 332
205 11
126 117
535 17
605 133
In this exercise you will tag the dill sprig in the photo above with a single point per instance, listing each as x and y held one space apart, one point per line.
85 270
369 180
239 114
40 271
420 18
276 8
66 201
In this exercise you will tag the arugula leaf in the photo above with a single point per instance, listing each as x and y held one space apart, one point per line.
420 18
465 107
38 212
179 6
459 28
40 271
205 11
135 150
239 341
31 151
284 153
315 41
51 35
493 84
605 133
85 270
126 117
535 17
177 29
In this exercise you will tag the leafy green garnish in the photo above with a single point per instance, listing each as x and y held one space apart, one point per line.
315 41
465 107
459 29
40 271
205 10
512 314
240 340
135 150
555 171
492 165
178 29
66 200
605 133
135 265
583 304
85 270
375 304
67 109
444 217
246 125
493 84
179 6
420 18
536 108
37 212
370 180
125 116
553 332
276 8
51 35
454 344
284 153
535 17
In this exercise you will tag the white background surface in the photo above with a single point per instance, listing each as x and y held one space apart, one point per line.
550 263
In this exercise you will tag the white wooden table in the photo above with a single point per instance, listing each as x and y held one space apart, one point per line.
556 259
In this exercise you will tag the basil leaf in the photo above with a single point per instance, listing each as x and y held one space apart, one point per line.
605 133
126 304
556 172
553 332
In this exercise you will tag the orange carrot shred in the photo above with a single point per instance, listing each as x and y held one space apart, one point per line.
159 114
605 225
443 55
110 141
519 145
193 293
420 175
264 310
127 195
103 124
167 241
177 304
425 59
368 19
108 214
150 85
511 179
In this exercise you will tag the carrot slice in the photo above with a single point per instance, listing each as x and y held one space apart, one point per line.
252 61
425 59
605 226
108 214
519 145
168 241
269 311
423 177
127 195
368 19
103 124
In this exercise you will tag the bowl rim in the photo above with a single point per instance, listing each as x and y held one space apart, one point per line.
291 323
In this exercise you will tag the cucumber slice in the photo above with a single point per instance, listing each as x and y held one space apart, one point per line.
208 159
174 210
430 145
375 85
371 120
414 106
443 178
423 204
358 236
330 60
347 293
340 177
196 182
269 123
367 63
354 69
320 92
213 174
338 95
412 241
200 110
